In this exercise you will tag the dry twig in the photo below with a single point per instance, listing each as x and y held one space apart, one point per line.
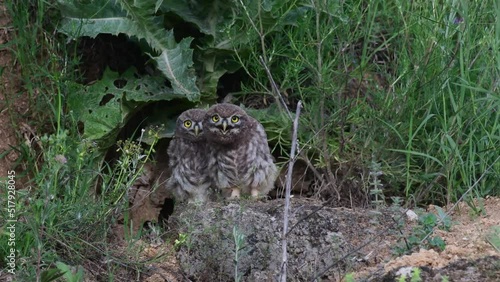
288 189
276 90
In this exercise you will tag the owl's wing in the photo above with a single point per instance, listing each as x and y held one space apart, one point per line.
260 137
173 153
264 171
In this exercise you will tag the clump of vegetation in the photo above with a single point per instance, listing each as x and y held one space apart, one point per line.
63 217
421 234
376 185
395 84
389 83
493 237
403 88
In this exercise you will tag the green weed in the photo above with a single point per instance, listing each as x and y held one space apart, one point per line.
493 237
349 277
71 274
421 234
376 185
55 223
182 240
239 245
415 275
62 218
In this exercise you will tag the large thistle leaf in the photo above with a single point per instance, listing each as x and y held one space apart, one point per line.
211 17
105 106
135 19
214 51
92 18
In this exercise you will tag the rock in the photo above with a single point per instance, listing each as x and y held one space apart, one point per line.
466 270
325 238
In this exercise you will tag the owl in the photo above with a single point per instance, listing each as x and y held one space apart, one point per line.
188 160
239 156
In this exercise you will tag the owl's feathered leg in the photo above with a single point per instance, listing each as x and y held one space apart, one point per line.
235 193
199 197
255 193
179 194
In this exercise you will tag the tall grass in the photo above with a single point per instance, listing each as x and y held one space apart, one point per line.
44 61
452 95
62 219
412 84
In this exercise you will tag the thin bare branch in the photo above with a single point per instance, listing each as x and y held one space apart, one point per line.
276 91
288 189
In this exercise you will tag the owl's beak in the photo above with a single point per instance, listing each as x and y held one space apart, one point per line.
224 126
196 130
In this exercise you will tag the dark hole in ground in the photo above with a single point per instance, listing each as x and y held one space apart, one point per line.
230 83
167 210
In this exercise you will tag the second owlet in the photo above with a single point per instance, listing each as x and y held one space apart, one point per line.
240 159
188 161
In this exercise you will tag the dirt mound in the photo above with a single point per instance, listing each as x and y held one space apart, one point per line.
335 241
470 270
321 239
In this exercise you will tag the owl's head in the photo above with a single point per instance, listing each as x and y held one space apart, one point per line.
226 123
190 125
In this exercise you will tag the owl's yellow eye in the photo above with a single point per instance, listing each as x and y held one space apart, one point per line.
235 119
215 118
187 123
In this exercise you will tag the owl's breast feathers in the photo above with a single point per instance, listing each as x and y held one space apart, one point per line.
247 165
189 162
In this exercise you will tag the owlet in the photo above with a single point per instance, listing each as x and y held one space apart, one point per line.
240 159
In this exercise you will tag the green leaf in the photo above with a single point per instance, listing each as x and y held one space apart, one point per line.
214 50
70 275
208 16
493 237
51 275
428 220
105 106
173 64
214 19
415 153
437 242
92 18
135 19
175 60
444 218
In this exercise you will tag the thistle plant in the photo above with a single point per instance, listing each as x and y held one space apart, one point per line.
376 185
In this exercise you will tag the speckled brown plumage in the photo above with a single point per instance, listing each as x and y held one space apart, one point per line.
190 179
240 159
